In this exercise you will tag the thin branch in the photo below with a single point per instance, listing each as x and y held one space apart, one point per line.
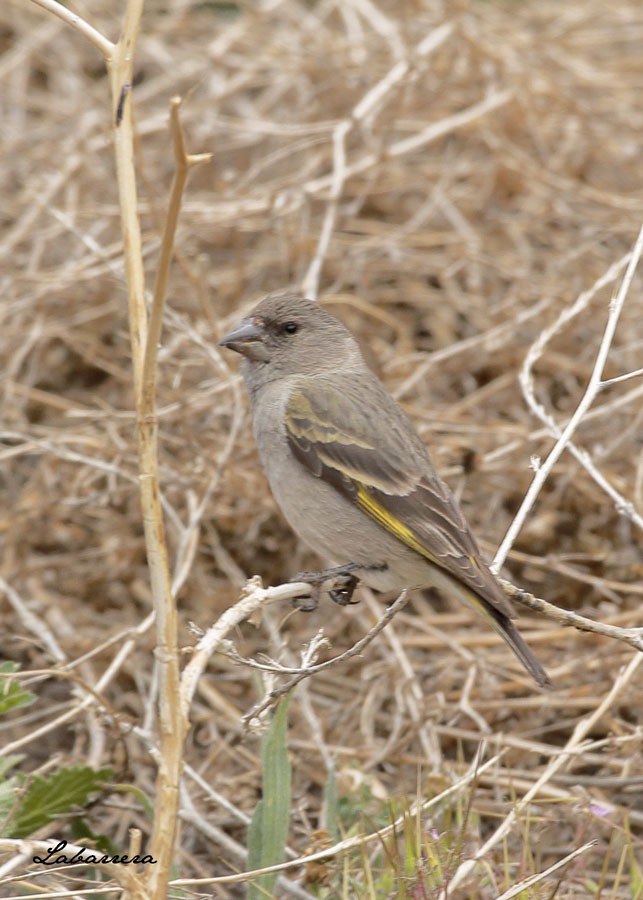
273 696
362 111
99 40
253 597
540 876
310 284
631 636
407 145
458 120
183 163
120 62
593 387
618 378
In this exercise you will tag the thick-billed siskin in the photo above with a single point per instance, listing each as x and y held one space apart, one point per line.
348 469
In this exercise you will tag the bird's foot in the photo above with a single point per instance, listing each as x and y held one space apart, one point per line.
343 583
343 590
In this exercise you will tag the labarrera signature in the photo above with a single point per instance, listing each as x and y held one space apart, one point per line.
89 859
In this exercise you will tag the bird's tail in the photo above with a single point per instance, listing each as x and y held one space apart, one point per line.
508 632
512 637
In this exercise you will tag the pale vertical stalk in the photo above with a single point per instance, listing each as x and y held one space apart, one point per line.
172 721
119 59
120 66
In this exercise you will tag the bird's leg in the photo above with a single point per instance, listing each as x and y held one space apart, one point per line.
343 580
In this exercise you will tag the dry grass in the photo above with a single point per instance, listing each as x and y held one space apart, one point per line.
448 257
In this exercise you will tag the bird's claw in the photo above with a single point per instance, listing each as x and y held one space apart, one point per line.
343 590
343 587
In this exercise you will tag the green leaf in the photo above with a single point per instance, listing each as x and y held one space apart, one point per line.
268 831
8 788
8 762
81 832
141 796
46 798
636 876
12 694
331 806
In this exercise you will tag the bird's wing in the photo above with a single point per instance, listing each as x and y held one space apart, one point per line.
350 433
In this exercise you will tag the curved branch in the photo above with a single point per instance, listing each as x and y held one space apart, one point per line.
99 40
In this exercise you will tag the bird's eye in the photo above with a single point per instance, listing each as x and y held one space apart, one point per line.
290 328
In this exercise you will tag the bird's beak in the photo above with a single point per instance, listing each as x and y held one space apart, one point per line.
247 338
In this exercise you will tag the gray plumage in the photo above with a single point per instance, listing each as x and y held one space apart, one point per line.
348 469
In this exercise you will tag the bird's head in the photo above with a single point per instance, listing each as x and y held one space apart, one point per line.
286 335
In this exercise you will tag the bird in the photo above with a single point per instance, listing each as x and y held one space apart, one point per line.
348 469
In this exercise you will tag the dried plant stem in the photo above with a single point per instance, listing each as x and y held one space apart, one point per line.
426 136
631 636
362 112
310 284
98 40
253 597
120 64
183 163
173 720
535 879
145 338
417 809
171 723
24 850
580 732
305 672
594 386
119 59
